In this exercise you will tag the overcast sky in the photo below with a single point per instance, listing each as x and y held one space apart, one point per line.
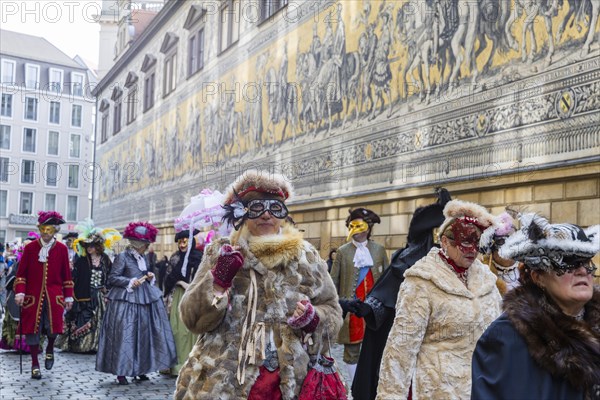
68 24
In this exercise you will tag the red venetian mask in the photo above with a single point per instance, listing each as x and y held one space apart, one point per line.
466 234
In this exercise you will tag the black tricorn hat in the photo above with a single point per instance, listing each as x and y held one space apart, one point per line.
365 214
185 234
69 235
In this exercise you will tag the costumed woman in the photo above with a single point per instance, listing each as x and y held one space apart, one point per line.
262 300
378 309
135 337
491 240
546 344
90 272
356 268
44 289
445 303
176 284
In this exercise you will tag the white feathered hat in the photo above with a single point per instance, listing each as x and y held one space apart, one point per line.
467 212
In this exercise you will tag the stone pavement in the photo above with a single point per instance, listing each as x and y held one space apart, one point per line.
73 378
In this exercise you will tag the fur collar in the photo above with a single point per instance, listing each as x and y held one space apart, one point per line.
432 268
563 346
271 250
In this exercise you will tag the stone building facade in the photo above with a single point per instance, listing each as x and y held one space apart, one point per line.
357 105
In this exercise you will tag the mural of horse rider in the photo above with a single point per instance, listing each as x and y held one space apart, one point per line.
583 12
382 74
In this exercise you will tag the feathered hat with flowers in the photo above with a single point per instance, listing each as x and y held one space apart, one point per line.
493 237
142 231
50 218
89 234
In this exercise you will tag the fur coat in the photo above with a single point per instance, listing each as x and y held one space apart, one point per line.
278 271
534 351
438 322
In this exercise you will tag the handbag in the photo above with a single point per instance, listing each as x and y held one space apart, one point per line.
322 381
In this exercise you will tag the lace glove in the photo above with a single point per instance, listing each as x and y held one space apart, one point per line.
228 264
308 321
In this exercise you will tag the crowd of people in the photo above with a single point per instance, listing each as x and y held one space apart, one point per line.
474 306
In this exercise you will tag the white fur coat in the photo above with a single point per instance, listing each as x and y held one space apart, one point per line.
438 322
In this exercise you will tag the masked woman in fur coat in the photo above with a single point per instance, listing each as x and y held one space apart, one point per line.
445 303
262 299
546 345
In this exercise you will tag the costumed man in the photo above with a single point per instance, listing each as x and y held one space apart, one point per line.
68 241
379 308
491 240
356 268
44 289
176 283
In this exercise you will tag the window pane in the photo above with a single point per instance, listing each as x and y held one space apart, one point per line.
55 83
31 78
55 112
72 208
3 197
27 171
53 143
5 137
77 89
201 49
73 176
31 108
225 16
50 201
3 169
74 145
29 140
51 174
8 72
76 115
6 106
26 203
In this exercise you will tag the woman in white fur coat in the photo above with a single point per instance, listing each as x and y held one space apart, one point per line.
447 300
262 301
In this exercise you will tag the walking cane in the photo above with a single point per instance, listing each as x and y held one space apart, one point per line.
20 343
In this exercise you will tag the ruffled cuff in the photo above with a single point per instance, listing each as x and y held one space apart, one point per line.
19 295
308 321
68 299
130 286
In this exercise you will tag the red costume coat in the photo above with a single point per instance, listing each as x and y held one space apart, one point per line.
37 280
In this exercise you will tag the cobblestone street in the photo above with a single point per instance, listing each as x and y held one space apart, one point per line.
73 377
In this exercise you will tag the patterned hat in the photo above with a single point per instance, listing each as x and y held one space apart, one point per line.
253 184
541 245
50 218
142 231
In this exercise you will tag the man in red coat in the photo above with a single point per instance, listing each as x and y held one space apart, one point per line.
44 289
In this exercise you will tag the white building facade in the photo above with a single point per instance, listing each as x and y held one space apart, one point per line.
46 133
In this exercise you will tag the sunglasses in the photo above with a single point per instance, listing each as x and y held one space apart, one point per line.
258 207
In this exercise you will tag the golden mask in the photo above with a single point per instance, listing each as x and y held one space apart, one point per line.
47 229
182 244
356 226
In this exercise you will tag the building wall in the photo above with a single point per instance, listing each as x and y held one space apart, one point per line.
12 223
338 97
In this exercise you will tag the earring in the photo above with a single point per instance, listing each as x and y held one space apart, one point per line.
444 252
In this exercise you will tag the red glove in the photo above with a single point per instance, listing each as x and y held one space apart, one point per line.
228 264
308 321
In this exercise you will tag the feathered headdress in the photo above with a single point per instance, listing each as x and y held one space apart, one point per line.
142 231
50 218
503 227
541 245
90 234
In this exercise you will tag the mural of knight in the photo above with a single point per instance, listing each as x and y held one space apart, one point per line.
334 93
